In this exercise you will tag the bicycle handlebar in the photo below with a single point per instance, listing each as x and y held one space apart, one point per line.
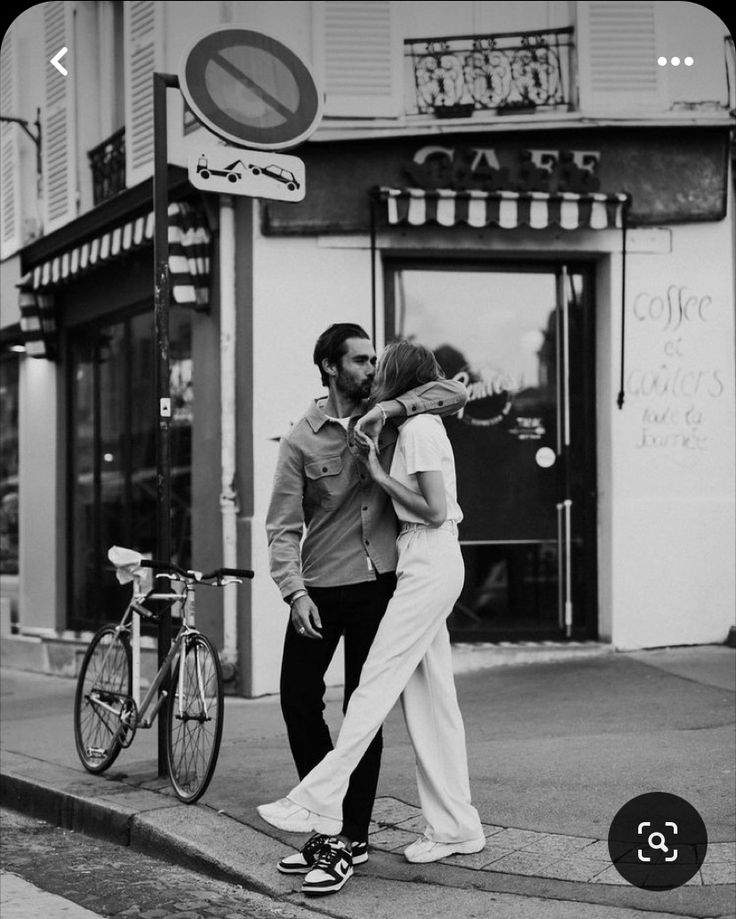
196 576
229 572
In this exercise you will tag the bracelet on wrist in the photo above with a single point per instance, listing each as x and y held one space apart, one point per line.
296 596
382 410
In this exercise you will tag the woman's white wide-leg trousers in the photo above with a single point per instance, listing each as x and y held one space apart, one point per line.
410 658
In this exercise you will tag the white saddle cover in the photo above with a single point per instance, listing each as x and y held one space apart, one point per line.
126 561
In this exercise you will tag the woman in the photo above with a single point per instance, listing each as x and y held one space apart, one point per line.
410 656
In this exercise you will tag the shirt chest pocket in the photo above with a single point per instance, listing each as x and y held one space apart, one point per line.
324 478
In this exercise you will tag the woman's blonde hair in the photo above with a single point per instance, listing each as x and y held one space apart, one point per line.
404 365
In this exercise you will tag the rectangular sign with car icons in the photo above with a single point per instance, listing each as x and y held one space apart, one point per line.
254 173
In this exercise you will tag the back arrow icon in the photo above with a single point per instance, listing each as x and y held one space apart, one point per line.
55 61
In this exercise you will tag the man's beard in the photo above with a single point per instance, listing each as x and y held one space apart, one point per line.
352 390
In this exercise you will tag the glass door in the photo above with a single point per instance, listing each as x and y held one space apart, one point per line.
522 342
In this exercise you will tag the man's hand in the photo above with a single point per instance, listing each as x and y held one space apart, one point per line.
305 617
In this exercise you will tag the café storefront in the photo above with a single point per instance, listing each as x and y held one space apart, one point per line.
580 283
511 256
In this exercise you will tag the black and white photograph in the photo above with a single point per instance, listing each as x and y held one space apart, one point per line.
368 459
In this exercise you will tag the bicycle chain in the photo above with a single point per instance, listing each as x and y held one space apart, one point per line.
128 722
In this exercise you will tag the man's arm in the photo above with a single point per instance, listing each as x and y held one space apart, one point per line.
284 528
441 397
285 520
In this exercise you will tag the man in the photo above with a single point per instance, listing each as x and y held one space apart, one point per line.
338 576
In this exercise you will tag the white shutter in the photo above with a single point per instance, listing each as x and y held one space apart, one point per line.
617 56
59 140
10 204
143 38
358 58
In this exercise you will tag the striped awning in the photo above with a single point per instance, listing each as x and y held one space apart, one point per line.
189 267
505 209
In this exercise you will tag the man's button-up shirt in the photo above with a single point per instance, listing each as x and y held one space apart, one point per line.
328 523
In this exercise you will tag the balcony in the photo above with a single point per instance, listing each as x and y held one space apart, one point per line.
508 73
107 161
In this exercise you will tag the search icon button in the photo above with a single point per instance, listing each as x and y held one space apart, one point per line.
657 841
660 844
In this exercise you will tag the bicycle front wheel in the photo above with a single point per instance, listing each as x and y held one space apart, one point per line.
103 686
194 718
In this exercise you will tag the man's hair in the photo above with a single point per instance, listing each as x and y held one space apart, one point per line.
331 345
403 365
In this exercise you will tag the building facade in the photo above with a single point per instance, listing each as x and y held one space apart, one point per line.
527 191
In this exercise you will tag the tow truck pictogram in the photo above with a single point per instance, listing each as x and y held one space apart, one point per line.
229 172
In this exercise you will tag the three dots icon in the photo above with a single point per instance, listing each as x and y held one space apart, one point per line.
675 61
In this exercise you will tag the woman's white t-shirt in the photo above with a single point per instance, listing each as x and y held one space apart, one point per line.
423 446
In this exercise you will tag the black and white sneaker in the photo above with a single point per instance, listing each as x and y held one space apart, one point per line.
303 861
333 869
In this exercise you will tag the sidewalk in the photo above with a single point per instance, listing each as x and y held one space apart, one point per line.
555 749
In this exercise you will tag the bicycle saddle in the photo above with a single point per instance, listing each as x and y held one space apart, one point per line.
127 562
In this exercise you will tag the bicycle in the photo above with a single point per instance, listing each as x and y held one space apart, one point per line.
107 706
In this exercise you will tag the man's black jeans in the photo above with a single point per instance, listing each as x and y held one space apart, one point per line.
353 611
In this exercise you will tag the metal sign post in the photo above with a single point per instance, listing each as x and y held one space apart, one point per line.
162 383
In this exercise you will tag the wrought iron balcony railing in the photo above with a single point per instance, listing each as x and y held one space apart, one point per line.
508 72
107 161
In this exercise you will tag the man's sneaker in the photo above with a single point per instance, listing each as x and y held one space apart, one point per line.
425 850
333 869
286 815
303 861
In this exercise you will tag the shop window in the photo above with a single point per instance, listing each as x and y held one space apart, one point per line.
113 454
9 367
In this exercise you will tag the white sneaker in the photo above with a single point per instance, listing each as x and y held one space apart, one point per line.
426 850
286 815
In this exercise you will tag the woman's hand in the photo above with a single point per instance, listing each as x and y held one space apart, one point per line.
371 457
371 424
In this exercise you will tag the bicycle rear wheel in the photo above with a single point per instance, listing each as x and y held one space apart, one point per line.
194 718
105 679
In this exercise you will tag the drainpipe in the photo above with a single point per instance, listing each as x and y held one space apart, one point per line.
228 495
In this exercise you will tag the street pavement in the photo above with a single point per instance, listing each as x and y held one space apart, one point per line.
555 749
53 873
20 898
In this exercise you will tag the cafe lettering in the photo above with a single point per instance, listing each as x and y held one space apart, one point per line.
488 169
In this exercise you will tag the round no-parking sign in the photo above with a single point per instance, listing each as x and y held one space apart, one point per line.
250 89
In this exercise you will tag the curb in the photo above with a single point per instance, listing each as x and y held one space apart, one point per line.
151 825
154 823
70 811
